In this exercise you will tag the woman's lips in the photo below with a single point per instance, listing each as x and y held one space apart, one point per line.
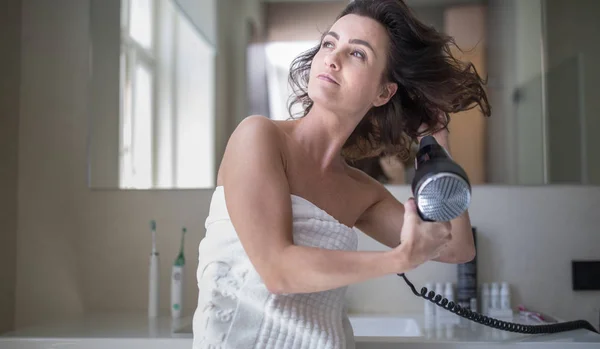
328 78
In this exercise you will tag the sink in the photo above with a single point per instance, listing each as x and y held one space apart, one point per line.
362 325
384 326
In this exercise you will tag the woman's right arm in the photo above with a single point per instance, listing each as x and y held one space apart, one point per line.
258 200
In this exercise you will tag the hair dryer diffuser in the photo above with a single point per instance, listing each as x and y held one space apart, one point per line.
441 187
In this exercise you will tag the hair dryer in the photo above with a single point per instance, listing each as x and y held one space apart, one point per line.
442 192
441 187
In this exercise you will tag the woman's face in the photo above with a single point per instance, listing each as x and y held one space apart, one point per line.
346 73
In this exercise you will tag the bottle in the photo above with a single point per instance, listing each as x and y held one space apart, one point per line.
495 296
449 292
473 305
505 296
466 287
429 306
177 276
485 298
439 289
153 277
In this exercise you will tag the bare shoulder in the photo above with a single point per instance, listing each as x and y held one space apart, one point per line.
256 137
256 133
257 126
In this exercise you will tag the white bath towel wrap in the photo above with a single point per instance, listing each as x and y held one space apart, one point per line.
235 309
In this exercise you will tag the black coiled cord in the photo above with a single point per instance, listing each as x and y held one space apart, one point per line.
495 323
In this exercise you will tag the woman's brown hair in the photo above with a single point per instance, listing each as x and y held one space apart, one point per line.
432 83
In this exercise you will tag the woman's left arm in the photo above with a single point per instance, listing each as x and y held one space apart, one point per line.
383 221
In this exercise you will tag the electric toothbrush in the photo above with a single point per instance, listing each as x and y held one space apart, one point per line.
153 291
177 276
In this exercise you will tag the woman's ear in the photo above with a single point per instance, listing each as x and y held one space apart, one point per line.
388 90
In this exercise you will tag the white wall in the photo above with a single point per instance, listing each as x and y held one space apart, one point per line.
87 251
10 27
54 72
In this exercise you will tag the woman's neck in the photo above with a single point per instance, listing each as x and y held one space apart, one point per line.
323 135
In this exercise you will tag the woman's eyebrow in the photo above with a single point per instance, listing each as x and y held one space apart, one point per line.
353 41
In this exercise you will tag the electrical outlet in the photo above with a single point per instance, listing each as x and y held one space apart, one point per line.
585 275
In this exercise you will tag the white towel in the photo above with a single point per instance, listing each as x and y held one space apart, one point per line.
235 309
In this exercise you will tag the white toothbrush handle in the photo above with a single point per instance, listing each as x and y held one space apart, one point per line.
176 291
153 292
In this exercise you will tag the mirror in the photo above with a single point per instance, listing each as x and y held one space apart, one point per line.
152 95
171 79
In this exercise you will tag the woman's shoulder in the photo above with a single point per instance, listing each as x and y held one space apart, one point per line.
256 123
257 130
256 141
259 134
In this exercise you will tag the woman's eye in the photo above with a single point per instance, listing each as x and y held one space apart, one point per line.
358 54
327 44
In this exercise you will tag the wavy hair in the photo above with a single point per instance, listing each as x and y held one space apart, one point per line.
432 83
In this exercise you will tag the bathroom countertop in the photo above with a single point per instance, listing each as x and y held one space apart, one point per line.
125 330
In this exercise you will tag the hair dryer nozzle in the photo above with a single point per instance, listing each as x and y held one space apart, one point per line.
441 187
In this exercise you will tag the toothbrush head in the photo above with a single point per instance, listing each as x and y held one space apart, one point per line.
153 224
184 230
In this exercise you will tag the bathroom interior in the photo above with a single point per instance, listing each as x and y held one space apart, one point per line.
115 114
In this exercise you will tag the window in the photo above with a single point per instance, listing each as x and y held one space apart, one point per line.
167 100
279 58
138 67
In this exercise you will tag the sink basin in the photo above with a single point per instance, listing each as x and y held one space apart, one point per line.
363 326
384 326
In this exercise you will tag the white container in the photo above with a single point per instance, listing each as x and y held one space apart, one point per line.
505 296
176 291
449 292
473 304
495 296
429 306
439 289
153 291
485 298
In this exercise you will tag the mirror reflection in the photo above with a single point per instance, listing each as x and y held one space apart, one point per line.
171 79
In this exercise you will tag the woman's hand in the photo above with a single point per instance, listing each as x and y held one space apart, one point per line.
420 241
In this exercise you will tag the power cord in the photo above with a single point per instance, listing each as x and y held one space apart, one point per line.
495 323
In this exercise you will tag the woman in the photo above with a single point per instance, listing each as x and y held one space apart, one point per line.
279 249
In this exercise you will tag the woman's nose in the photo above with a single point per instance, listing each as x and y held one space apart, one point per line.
332 61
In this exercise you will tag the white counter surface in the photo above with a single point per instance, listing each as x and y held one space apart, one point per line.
131 330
